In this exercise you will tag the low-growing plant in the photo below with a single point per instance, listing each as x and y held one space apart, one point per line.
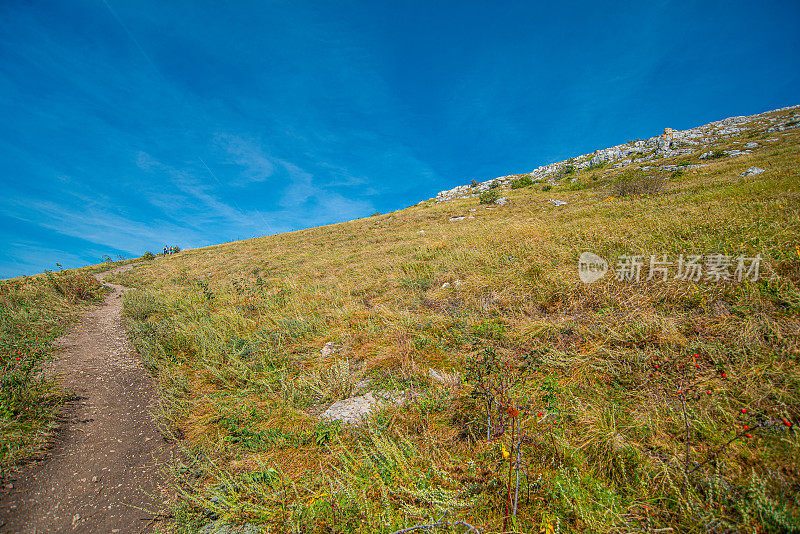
489 196
522 181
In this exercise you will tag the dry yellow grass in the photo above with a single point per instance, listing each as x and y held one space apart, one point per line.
235 333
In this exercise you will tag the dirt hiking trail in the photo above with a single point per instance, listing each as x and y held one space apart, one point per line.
102 472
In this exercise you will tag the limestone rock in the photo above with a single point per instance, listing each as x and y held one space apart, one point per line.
751 171
353 410
672 143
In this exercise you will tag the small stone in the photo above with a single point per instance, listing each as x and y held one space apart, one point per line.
751 171
95 479
355 409
751 145
501 201
328 349
558 202
453 219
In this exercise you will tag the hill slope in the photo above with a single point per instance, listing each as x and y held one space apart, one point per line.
517 396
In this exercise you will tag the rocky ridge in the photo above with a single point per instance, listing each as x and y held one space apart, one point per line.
669 144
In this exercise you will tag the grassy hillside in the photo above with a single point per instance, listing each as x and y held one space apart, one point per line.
34 311
617 406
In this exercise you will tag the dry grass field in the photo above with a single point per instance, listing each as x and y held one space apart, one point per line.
616 406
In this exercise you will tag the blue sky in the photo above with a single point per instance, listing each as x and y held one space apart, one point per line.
130 125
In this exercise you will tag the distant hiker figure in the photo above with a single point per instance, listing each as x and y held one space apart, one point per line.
165 250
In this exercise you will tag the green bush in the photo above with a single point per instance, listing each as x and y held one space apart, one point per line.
521 182
489 196
148 256
547 187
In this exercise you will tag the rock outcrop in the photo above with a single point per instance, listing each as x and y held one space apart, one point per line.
671 143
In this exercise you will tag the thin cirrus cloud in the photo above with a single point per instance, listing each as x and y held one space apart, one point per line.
255 165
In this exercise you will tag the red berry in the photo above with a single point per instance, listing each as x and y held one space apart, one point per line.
749 435
696 355
650 375
672 435
656 367
723 375
17 358
540 414
680 367
746 427
744 410
697 365
709 392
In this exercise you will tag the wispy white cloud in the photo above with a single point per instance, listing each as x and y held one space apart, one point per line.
247 154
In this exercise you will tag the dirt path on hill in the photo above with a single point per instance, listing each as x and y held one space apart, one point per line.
101 474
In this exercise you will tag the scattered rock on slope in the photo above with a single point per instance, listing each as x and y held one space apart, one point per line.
751 171
355 409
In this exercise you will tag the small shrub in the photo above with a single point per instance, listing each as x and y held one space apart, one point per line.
521 182
547 187
473 183
494 185
569 169
147 256
489 196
